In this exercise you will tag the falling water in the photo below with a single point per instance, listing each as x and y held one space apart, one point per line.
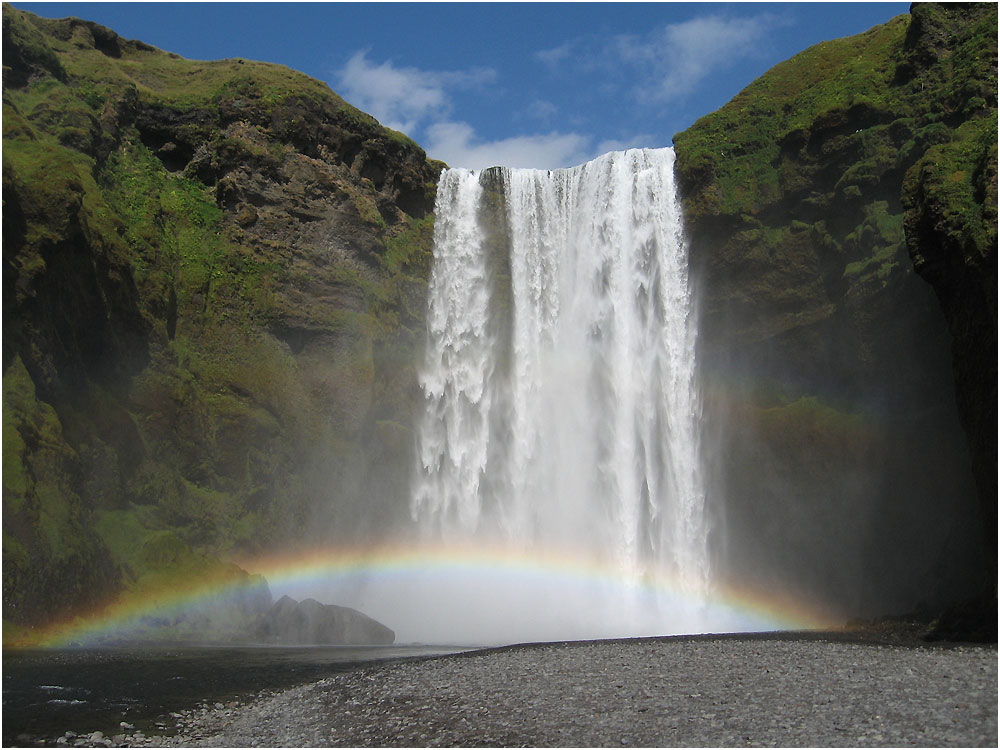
561 408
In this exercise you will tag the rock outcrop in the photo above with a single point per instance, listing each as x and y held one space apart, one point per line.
309 623
830 363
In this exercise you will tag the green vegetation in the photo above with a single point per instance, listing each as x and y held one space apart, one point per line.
43 516
830 133
739 148
154 559
807 420
215 276
878 242
819 203
210 270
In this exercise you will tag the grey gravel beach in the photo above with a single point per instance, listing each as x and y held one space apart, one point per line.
649 692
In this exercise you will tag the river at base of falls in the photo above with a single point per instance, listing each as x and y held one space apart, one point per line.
49 692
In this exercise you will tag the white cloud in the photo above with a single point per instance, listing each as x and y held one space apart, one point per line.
542 109
557 55
456 144
420 104
676 59
666 62
403 98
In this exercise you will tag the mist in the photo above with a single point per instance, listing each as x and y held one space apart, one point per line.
556 489
586 460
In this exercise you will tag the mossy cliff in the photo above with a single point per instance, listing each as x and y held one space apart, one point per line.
213 292
820 202
214 281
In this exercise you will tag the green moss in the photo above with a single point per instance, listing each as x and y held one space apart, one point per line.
409 249
845 90
159 563
171 223
49 549
879 265
17 389
257 395
53 181
366 207
24 39
737 147
178 243
949 181
32 441
878 243
808 427
124 536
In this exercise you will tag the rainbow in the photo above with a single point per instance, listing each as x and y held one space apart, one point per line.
318 571
298 570
128 612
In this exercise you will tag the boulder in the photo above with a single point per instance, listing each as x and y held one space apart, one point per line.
292 623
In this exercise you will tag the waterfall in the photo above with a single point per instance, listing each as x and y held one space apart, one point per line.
561 411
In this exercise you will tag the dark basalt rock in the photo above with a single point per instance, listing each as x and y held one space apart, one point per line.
307 623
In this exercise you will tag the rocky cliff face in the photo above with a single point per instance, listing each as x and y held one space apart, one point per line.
831 381
213 289
214 278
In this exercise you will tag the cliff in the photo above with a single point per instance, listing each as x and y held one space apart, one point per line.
820 203
213 289
214 283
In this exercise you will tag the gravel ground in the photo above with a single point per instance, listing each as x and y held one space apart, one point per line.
664 693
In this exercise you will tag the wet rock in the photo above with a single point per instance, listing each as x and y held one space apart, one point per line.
309 622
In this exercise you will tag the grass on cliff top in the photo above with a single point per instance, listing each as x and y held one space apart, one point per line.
740 142
740 145
73 49
186 83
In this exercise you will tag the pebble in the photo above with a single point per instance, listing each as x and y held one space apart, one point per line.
721 692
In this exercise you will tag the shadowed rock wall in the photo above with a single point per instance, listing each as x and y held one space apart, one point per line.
831 380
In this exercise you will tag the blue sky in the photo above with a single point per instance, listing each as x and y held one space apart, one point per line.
524 84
